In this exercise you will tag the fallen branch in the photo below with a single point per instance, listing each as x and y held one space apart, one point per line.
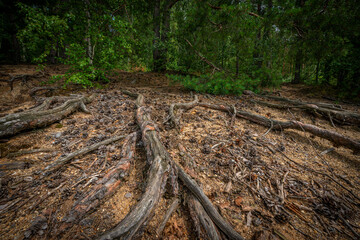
24 152
18 122
22 77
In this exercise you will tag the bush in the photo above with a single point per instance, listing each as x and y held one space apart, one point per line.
217 83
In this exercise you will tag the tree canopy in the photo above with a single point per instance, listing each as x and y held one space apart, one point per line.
224 47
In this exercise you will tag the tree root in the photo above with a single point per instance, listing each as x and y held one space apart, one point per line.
35 118
157 157
34 90
327 110
334 137
201 219
103 187
160 167
174 205
61 161
219 221
184 106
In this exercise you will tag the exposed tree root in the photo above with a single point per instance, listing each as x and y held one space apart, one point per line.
184 106
160 167
334 137
22 77
173 206
201 219
34 90
103 187
61 161
327 110
35 118
157 157
14 165
219 221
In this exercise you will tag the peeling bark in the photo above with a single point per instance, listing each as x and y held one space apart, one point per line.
18 122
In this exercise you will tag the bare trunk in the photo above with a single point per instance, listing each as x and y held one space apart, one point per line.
90 48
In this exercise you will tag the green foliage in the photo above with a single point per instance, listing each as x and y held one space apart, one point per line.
42 33
218 83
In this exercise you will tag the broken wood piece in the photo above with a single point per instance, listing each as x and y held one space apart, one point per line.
173 206
14 123
61 161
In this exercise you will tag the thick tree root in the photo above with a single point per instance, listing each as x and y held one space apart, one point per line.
219 221
327 110
61 161
35 118
158 158
103 187
160 167
334 137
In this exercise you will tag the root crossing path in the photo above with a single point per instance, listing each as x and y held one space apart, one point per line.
149 164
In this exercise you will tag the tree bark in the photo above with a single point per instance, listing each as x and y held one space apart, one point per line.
18 122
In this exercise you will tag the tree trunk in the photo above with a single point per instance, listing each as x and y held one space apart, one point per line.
297 73
89 49
156 40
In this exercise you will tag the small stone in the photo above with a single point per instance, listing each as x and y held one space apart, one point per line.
128 195
57 135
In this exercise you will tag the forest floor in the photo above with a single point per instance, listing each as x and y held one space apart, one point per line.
261 181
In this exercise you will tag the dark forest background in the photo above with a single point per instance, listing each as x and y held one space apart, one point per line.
219 47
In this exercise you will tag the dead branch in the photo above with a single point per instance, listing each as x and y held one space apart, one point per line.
18 122
61 161
204 59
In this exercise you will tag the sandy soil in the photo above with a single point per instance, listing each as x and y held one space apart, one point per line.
240 169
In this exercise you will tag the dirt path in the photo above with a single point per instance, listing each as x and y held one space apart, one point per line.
264 183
